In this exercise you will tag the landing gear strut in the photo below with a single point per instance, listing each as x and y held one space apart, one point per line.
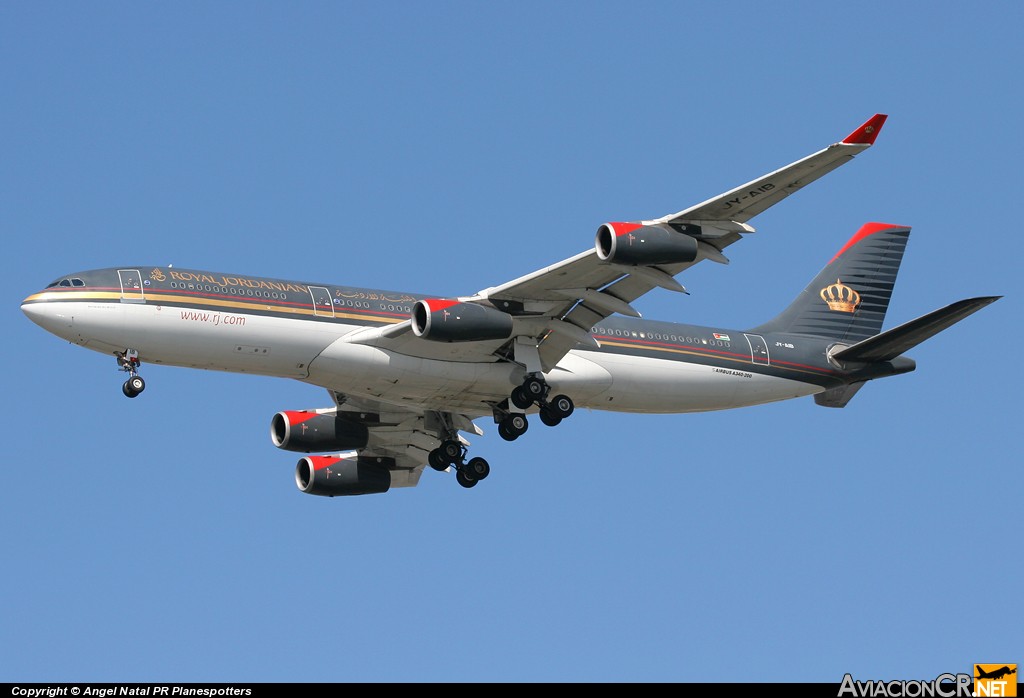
453 453
128 361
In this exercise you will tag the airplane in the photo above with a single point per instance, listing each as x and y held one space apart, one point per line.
409 373
996 674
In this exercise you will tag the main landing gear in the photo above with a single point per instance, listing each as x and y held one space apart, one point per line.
511 425
128 361
453 453
533 391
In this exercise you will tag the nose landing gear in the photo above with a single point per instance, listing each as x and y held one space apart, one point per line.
128 361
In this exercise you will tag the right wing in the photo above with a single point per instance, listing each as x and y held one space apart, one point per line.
746 201
555 307
583 290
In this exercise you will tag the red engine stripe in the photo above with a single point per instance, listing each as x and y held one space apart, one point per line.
439 303
623 228
299 417
321 462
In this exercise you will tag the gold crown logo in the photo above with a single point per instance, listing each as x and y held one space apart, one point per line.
840 297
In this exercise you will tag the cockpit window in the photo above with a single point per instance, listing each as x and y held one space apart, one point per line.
66 283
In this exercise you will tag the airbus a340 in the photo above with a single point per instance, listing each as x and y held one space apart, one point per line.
408 373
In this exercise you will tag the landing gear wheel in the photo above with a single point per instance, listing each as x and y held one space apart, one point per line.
466 482
534 387
562 406
520 398
477 469
127 390
451 451
136 384
549 418
515 425
437 460
504 433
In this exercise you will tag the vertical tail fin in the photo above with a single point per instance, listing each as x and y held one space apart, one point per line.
847 300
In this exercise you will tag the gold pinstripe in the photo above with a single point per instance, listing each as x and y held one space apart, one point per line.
199 300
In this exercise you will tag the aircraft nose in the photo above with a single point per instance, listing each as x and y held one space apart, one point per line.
46 316
33 311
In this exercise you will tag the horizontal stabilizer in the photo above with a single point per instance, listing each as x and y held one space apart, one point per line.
890 344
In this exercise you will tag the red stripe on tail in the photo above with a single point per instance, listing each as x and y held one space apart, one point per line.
866 230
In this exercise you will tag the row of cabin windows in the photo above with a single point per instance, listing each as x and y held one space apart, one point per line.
233 291
660 336
267 294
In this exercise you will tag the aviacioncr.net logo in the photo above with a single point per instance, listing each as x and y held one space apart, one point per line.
943 686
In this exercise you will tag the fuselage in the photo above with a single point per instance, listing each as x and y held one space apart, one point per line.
303 331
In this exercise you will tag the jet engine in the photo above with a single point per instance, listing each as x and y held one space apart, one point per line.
316 432
452 321
333 476
635 244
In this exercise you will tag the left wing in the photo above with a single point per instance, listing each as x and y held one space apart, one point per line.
554 308
400 437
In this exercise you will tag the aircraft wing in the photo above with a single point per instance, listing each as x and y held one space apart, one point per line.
746 201
583 290
555 307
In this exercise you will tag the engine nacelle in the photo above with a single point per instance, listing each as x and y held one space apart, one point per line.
452 321
315 432
333 476
632 243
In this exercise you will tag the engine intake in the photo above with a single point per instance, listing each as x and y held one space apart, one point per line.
632 243
315 432
333 476
453 321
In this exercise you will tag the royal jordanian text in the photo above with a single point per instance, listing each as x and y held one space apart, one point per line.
238 281
944 686
110 691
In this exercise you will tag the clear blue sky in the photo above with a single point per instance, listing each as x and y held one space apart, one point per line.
444 147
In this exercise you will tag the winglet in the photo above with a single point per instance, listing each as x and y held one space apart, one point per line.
868 132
